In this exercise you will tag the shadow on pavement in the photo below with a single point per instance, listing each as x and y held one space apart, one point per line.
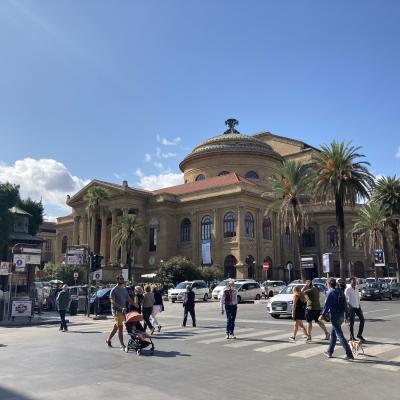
165 354
7 394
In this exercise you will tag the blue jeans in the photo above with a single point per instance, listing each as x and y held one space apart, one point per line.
337 321
231 311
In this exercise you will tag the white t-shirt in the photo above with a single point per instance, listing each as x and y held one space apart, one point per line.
352 296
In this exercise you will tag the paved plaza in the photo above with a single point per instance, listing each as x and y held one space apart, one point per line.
197 363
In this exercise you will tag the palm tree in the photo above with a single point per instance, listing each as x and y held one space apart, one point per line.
340 179
387 193
95 198
128 233
291 189
370 225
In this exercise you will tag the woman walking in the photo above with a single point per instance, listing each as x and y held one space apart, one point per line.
298 312
147 308
229 300
157 307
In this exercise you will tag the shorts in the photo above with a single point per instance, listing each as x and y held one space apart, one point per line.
312 315
119 318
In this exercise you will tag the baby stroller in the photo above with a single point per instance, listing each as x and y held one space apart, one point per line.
139 339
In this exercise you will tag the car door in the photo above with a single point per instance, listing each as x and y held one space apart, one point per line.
196 290
244 293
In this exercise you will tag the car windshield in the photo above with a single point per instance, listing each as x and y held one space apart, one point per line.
289 289
223 283
374 286
238 285
182 285
102 292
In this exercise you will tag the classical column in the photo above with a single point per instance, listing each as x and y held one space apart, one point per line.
124 258
194 238
103 238
84 238
258 236
217 237
92 232
75 239
113 247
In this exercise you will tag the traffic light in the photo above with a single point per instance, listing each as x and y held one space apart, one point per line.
95 262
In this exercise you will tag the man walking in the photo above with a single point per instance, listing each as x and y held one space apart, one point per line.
229 300
313 309
119 298
147 308
63 301
354 307
188 305
336 304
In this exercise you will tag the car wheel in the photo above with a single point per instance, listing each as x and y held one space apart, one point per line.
258 297
205 298
239 299
271 294
276 316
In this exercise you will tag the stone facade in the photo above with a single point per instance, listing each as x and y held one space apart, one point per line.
226 198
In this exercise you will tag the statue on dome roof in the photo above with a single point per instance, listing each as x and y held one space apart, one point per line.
231 122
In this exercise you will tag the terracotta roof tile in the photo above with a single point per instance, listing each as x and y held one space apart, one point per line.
218 181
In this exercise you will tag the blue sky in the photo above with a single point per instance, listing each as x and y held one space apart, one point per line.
123 90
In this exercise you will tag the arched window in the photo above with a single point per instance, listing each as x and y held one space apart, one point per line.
251 175
223 173
206 224
185 230
267 228
229 225
332 237
308 238
200 177
64 245
249 225
288 238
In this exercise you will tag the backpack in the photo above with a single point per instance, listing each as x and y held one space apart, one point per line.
228 296
342 303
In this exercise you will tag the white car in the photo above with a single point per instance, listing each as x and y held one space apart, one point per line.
218 289
200 289
271 288
247 291
281 304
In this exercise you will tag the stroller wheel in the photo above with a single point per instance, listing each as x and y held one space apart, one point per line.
138 352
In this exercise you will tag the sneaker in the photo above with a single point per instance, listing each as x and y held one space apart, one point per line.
327 336
108 343
227 337
123 348
233 337
327 354
292 339
361 338
159 328
348 358
308 340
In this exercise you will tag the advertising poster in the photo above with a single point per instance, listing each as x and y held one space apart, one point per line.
326 262
206 252
21 308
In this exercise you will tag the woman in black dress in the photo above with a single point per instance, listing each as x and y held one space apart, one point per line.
298 312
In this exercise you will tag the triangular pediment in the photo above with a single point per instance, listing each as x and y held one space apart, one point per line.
114 190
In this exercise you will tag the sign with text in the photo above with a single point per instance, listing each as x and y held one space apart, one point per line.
266 266
33 259
98 275
31 251
74 259
20 262
21 308
307 262
4 268
124 273
379 258
326 262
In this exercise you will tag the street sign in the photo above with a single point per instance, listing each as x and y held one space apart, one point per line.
124 273
307 262
97 275
265 266
31 251
326 262
379 258
74 259
33 259
4 268
19 261
76 275
76 252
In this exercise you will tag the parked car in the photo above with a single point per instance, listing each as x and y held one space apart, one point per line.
101 300
376 291
217 290
248 291
389 281
281 304
200 289
271 288
395 289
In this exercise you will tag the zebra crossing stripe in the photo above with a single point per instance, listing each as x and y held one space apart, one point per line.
279 346
310 352
215 332
379 349
223 339
389 367
244 343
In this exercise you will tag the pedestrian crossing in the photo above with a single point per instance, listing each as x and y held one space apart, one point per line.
380 353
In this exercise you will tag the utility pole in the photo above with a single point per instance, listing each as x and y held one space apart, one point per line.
89 265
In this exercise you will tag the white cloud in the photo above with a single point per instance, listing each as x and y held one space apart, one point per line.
166 142
139 173
147 157
398 153
118 176
45 179
168 155
153 182
158 165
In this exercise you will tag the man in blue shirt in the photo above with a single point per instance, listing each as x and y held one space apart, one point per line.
335 303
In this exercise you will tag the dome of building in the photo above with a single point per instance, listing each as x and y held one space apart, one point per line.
231 146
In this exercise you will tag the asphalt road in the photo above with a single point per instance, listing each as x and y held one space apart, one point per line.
199 363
